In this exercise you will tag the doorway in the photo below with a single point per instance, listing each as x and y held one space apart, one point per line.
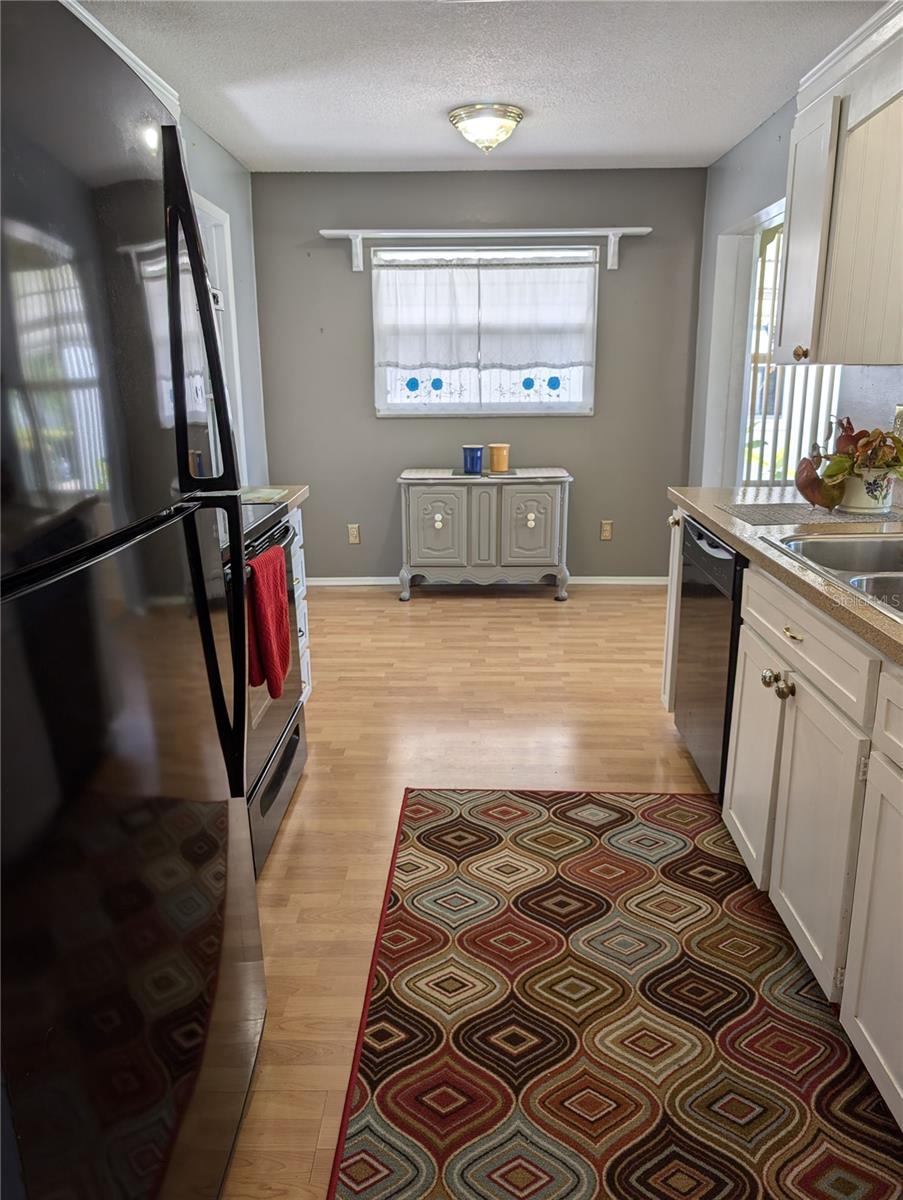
216 235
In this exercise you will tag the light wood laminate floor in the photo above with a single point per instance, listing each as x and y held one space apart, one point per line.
466 689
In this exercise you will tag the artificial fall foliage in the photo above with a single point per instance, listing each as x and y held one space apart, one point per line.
854 452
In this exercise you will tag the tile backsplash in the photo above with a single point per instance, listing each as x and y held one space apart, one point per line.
870 395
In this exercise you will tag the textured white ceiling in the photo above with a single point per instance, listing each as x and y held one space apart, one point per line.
365 85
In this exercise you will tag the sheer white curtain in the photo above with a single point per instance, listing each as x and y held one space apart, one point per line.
484 330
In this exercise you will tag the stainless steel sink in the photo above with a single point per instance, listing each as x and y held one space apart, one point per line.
886 588
869 565
850 554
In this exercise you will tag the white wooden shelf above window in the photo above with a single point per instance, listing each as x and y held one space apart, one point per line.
611 233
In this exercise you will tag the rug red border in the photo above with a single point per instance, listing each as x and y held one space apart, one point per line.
361 1029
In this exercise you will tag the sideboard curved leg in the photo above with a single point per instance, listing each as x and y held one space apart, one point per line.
404 578
562 578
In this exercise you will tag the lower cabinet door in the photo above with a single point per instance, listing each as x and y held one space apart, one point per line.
529 525
872 1007
816 835
751 779
438 526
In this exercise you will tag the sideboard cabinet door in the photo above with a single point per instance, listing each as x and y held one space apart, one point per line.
438 526
529 525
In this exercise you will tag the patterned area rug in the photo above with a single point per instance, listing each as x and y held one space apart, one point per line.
579 995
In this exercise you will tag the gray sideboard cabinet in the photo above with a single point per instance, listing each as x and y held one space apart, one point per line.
458 528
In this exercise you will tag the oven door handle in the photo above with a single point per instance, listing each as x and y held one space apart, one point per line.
283 544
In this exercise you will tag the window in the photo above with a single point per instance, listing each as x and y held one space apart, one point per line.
484 331
57 413
787 408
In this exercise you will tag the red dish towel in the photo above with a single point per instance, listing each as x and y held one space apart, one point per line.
269 640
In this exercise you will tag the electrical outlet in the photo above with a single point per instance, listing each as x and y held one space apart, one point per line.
606 531
354 535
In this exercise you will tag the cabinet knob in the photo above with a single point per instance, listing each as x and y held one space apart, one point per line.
674 520
784 689
770 678
437 521
531 520
800 352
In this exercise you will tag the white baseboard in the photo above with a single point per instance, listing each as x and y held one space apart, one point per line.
352 581
632 580
387 580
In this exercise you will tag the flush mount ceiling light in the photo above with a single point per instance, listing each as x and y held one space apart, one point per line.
486 125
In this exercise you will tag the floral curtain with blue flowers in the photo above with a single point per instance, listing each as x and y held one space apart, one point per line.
485 330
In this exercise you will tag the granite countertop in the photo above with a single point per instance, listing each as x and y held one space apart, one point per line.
880 629
263 505
430 474
289 494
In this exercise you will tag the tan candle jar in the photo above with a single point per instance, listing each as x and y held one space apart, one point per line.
499 453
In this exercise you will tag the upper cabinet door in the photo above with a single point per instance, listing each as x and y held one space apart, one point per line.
810 183
863 305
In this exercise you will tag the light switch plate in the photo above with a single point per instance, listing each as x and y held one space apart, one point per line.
354 535
606 531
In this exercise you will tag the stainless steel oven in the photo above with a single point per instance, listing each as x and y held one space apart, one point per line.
276 742
268 718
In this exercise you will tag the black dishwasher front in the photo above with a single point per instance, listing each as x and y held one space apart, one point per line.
708 630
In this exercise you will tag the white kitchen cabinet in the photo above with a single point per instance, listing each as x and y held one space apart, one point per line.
810 182
841 289
751 778
863 303
872 1007
816 836
672 614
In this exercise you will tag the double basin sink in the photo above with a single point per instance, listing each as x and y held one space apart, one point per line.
870 563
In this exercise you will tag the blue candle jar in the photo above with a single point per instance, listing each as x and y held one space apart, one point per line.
473 460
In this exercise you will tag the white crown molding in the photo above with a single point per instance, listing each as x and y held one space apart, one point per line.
871 37
161 89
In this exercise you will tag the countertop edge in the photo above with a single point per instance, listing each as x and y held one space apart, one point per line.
883 633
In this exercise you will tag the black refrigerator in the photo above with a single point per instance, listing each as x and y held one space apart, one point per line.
132 984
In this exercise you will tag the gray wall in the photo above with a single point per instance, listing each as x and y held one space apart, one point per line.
750 177
317 349
222 179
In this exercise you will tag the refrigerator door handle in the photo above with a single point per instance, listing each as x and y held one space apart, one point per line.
230 727
180 216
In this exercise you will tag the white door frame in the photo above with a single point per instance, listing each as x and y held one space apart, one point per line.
729 346
219 219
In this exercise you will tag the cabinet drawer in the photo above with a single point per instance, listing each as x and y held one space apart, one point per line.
529 525
438 526
306 679
294 519
845 672
888 732
299 570
301 614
